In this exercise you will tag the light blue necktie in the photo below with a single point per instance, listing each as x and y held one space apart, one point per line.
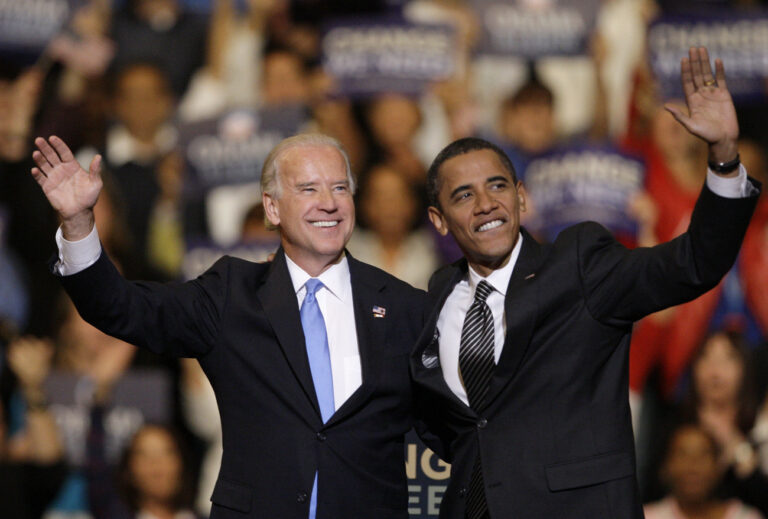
316 339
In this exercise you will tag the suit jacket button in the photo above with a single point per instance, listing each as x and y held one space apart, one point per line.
320 436
302 497
481 423
462 491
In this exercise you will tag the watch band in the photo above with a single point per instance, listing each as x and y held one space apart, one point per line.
725 167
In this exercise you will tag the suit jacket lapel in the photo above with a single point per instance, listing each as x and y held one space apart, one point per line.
367 292
520 309
426 356
279 302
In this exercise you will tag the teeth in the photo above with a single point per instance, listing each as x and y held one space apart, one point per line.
326 223
490 225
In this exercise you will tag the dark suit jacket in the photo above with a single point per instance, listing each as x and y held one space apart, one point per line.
555 435
241 320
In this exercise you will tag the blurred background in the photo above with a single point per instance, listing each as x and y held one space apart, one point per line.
185 98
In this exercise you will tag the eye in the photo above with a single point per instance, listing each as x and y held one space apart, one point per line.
498 186
341 189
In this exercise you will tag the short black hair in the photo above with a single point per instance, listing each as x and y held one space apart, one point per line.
454 149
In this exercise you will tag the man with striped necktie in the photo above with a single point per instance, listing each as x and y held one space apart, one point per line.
522 366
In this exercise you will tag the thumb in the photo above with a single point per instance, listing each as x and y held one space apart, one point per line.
95 168
678 114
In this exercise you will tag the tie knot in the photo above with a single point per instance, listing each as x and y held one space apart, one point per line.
313 285
482 291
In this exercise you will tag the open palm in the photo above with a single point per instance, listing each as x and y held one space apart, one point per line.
69 188
711 114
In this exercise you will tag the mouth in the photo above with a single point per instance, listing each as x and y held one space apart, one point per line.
325 223
487 226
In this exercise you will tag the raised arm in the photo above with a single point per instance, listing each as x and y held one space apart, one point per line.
71 191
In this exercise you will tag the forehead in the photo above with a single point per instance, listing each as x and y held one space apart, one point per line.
312 163
471 168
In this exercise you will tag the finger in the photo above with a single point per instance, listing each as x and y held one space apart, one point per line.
686 77
706 68
62 149
95 168
38 175
693 55
41 162
720 74
50 154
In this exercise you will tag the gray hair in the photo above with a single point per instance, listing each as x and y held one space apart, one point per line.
270 172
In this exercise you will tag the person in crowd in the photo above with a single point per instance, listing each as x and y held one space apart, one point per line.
137 143
314 404
691 472
32 468
394 120
154 479
99 400
163 32
526 123
522 367
392 240
723 402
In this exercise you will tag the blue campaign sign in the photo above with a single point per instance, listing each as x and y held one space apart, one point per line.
372 56
532 29
231 149
740 39
27 26
579 183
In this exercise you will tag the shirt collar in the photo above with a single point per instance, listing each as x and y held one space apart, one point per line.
335 278
499 278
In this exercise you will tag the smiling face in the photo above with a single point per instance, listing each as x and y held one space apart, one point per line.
313 207
480 206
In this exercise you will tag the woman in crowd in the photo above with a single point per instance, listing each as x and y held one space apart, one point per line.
154 478
692 473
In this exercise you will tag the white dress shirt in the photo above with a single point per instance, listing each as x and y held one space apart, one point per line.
335 302
451 319
334 299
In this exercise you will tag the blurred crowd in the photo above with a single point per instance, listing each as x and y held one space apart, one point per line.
91 427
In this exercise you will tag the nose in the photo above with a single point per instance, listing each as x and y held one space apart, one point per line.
484 202
326 201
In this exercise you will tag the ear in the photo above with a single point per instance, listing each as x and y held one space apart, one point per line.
271 209
436 217
521 195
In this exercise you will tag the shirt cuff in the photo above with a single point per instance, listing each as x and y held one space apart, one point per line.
735 187
76 256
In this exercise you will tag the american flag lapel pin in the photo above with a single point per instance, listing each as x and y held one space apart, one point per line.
530 276
379 311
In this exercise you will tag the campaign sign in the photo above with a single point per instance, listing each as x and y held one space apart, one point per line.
202 255
531 29
739 39
27 26
580 183
387 55
428 477
231 149
141 395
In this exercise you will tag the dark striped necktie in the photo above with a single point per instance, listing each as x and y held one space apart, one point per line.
476 363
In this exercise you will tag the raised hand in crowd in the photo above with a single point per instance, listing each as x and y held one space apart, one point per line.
30 360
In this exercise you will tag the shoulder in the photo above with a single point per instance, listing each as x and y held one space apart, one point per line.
444 274
365 272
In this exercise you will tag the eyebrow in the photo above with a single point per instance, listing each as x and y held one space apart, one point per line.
464 187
